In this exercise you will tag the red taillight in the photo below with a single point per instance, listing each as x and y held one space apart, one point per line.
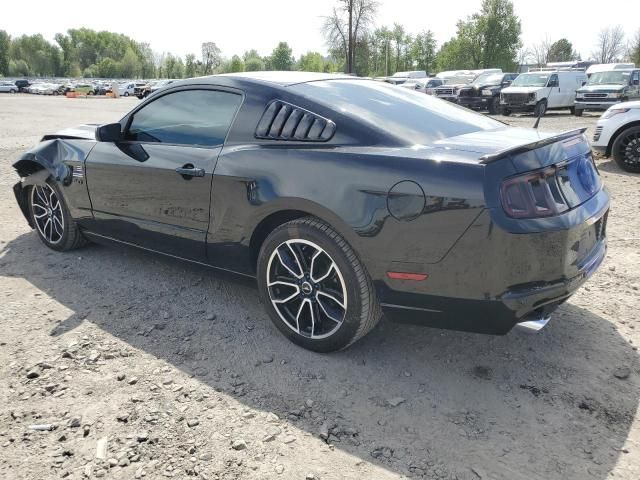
533 195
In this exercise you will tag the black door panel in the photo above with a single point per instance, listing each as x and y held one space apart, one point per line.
138 196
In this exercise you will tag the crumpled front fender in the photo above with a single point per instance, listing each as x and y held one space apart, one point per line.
61 159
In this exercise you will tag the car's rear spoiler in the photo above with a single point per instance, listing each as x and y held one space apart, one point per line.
492 157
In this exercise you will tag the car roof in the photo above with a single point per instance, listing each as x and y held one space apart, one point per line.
283 78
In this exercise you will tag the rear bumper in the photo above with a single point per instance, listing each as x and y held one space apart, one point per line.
493 280
526 304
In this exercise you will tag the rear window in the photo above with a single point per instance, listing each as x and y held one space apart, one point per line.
406 114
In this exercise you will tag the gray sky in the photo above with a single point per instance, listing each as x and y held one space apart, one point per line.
181 26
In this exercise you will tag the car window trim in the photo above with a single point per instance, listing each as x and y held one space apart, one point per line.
128 118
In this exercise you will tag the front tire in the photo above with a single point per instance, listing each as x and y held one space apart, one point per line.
494 105
51 218
541 108
626 150
578 112
126 94
505 111
316 290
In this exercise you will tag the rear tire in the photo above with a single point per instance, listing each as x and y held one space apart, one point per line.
316 290
51 218
626 150
505 111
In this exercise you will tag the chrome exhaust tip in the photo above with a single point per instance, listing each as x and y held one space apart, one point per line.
535 325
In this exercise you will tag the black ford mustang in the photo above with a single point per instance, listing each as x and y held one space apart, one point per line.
343 196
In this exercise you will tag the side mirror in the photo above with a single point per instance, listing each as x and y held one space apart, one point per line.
506 84
111 132
636 82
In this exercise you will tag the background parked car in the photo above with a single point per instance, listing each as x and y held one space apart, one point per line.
542 90
618 135
22 85
399 78
424 85
128 88
606 88
8 87
484 92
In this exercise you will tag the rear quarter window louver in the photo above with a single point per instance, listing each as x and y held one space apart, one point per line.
283 121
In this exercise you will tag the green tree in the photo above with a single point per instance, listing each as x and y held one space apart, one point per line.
173 67
311 62
454 55
562 51
500 31
147 64
190 66
423 51
106 68
254 64
487 39
42 57
5 44
281 58
130 65
399 36
18 68
252 61
236 65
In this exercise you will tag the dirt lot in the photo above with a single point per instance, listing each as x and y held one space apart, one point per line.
145 367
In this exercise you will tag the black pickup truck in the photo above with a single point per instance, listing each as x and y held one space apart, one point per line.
484 92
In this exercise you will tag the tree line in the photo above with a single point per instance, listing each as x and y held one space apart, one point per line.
489 38
87 53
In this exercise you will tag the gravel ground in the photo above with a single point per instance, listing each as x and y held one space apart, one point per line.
119 364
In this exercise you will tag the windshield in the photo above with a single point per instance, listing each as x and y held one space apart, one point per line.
609 78
409 116
488 78
531 80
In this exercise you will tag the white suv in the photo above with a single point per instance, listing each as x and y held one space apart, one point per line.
618 135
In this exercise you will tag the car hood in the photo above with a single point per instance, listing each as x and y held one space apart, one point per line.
81 132
611 88
521 89
479 86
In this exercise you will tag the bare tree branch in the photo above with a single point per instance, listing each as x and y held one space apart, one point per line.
610 46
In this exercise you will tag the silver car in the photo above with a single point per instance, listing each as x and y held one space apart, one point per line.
424 85
8 87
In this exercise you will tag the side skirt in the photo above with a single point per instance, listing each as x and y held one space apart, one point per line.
105 239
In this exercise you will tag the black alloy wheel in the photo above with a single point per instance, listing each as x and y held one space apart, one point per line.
626 150
51 218
314 287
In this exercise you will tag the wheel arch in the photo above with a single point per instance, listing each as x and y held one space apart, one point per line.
283 213
617 133
31 173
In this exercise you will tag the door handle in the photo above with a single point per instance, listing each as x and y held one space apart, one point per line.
189 170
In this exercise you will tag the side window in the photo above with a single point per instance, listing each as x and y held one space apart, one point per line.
636 77
188 117
553 81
